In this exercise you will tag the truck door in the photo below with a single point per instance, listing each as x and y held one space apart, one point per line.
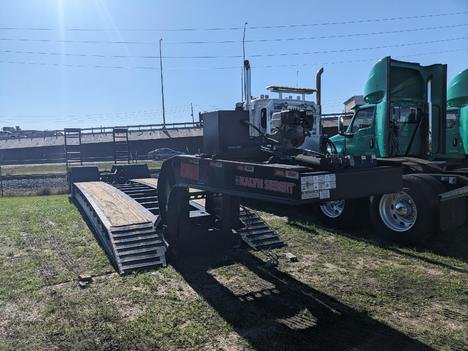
454 142
360 139
418 91
405 138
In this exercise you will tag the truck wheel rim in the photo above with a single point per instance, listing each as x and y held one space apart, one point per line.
398 211
333 209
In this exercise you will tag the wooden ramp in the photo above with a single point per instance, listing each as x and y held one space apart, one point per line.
125 228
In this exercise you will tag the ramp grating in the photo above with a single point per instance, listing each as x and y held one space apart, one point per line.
256 233
145 195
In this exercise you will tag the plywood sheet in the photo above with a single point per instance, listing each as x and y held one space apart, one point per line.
118 208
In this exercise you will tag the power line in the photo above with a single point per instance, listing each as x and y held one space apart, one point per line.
65 41
333 36
153 57
319 51
225 67
267 40
192 29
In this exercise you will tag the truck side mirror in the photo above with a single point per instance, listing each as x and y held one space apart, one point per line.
342 129
340 125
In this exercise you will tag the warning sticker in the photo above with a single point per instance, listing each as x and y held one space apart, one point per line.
319 182
317 186
310 195
324 194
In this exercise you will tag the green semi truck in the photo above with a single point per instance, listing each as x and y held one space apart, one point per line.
410 119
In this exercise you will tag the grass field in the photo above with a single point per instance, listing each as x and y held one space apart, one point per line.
347 291
60 168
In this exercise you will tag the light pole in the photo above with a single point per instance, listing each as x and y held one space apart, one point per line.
162 84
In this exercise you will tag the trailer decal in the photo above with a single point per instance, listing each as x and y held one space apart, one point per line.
189 170
277 186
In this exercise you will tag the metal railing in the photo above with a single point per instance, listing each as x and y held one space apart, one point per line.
336 115
103 130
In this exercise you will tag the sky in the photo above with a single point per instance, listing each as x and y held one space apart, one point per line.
91 63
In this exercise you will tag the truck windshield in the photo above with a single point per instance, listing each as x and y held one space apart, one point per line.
363 119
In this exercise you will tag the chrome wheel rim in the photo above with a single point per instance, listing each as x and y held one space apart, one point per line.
398 211
333 209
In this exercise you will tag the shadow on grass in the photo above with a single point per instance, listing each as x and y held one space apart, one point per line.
288 315
449 244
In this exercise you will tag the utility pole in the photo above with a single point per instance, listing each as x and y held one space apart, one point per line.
191 113
162 84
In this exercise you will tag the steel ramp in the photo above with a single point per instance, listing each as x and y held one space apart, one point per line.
127 230
145 195
256 233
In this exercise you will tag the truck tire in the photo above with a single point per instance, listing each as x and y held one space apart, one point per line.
342 213
406 217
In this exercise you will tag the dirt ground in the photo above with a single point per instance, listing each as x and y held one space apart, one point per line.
348 290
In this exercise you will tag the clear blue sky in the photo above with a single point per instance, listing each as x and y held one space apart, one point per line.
49 78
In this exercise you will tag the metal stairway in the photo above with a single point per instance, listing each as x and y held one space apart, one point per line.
72 142
256 233
121 145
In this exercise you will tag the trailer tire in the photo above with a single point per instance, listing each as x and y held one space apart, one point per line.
177 215
406 217
342 213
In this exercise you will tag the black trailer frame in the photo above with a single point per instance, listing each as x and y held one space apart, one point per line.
226 181
279 183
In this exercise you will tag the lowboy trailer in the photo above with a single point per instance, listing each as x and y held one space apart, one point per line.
268 149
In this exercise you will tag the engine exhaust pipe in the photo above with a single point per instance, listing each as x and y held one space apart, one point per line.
429 125
318 87
247 84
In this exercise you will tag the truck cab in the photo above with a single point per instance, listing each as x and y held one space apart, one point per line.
406 127
404 115
290 120
410 119
457 113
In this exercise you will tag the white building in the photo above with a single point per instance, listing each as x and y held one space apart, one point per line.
353 102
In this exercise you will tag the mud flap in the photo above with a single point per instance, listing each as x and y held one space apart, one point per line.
453 208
